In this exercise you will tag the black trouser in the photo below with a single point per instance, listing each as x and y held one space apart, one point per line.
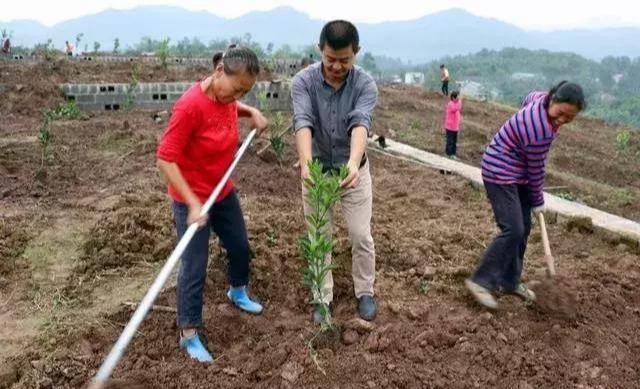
502 264
452 143
445 87
226 220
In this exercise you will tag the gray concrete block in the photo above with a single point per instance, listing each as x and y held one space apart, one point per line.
85 99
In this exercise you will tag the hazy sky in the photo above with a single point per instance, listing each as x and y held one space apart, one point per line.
541 14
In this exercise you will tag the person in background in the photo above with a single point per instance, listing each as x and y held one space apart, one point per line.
193 155
68 47
513 171
452 117
6 46
444 77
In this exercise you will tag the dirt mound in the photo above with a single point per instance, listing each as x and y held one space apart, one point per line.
14 236
556 296
137 231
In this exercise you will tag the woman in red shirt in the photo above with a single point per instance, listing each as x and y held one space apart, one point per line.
195 151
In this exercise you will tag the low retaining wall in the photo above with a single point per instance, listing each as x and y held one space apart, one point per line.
113 96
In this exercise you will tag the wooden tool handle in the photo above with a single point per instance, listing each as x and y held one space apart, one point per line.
545 244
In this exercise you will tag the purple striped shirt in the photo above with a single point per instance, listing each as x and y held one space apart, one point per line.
518 152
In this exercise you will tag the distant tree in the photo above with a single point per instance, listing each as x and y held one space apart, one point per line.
368 63
163 52
96 47
116 45
78 39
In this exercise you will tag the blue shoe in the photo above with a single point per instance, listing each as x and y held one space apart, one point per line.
195 348
241 300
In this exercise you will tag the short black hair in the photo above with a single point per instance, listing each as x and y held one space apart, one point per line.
442 66
237 58
454 95
567 92
339 34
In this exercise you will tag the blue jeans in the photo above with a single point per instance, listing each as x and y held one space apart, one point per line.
226 220
502 264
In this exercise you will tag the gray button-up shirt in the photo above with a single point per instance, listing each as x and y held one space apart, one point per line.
332 114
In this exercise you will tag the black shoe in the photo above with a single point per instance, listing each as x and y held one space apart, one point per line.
367 307
317 313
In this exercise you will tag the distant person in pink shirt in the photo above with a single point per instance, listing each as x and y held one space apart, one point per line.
452 124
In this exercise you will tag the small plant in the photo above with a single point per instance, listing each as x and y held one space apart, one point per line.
272 238
163 52
414 125
68 111
263 100
323 192
44 138
424 287
47 49
622 140
624 197
566 195
276 137
133 87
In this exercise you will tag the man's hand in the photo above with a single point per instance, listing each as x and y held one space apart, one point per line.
353 178
304 170
194 215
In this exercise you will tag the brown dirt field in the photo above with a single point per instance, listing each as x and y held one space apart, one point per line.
584 158
103 192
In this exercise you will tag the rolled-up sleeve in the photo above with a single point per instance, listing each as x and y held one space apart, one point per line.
302 108
362 114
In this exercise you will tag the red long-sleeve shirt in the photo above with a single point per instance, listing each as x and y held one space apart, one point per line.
201 138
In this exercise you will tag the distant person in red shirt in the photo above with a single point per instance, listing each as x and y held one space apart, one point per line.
6 46
452 118
195 151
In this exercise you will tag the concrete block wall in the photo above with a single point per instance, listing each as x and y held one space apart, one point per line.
113 96
156 60
21 58
285 67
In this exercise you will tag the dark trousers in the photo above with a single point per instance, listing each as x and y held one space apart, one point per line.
226 220
445 87
502 264
452 143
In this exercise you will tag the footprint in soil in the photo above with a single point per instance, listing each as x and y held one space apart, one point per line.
556 297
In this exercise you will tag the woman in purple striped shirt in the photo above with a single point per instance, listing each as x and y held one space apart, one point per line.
513 170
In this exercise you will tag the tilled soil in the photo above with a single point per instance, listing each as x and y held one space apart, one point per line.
429 232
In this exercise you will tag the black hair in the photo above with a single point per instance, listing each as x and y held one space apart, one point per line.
566 92
339 34
236 59
454 94
442 66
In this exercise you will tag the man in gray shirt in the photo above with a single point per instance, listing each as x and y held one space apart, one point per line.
333 103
